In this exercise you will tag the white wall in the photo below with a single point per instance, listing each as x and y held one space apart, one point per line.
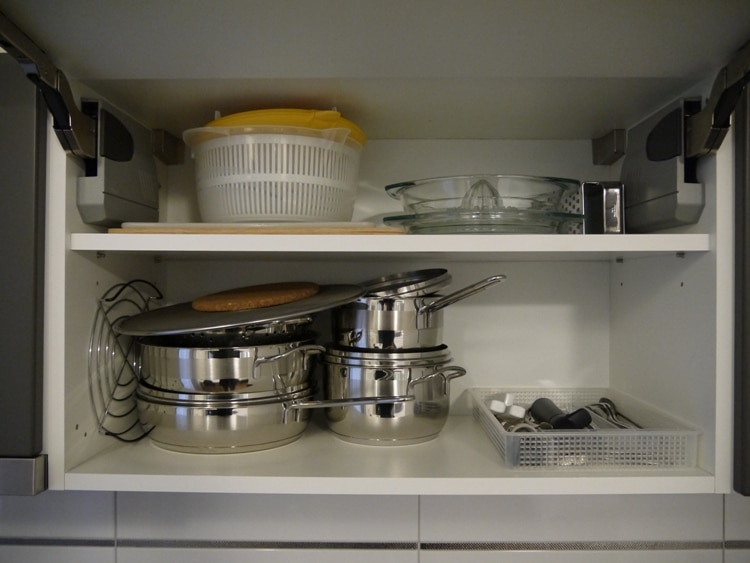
85 527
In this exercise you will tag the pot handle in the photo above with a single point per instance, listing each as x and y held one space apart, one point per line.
325 403
446 372
452 298
307 350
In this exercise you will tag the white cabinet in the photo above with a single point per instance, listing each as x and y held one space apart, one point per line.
650 315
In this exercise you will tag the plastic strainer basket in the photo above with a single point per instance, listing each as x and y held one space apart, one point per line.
266 173
662 443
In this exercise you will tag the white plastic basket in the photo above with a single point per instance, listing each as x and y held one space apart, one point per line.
662 443
258 175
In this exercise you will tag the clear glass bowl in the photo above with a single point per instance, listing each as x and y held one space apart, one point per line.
468 222
482 193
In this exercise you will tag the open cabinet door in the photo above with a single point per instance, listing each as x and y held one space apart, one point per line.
22 143
742 298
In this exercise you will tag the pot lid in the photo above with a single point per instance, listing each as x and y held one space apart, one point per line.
182 318
408 284
288 117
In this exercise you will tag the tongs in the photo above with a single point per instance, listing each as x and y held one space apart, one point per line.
607 409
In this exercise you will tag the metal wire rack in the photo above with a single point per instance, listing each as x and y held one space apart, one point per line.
113 363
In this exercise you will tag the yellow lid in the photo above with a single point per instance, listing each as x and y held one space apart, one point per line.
314 119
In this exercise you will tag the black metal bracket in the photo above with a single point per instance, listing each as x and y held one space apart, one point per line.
75 130
706 129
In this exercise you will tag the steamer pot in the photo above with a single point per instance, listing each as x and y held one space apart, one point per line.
243 335
397 322
179 396
221 425
275 363
387 398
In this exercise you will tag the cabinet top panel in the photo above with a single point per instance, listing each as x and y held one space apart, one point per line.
417 69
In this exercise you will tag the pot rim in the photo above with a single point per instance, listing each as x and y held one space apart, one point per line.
172 341
152 394
357 357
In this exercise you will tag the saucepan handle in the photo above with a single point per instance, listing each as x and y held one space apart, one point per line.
446 373
326 403
307 350
452 298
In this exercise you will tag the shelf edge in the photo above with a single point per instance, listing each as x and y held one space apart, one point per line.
448 486
395 244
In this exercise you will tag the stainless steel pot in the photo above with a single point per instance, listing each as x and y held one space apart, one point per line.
276 365
221 425
386 398
243 335
397 322
192 396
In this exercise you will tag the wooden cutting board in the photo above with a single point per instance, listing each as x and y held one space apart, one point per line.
258 228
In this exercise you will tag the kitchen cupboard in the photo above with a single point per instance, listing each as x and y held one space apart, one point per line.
649 315
576 311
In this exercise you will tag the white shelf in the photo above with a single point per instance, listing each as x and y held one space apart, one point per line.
523 247
460 461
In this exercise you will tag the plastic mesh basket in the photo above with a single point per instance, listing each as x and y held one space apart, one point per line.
261 177
662 443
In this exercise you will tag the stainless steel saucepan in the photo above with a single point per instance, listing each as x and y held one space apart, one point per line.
273 364
398 321
212 424
386 399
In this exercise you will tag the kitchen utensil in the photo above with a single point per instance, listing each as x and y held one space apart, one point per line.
263 334
545 410
663 442
113 360
221 425
180 395
506 221
603 207
607 408
276 165
481 193
617 413
408 284
355 374
255 296
322 120
395 323
182 318
273 366
319 228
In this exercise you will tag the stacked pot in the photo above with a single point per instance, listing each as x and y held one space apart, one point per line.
223 382
389 357
226 391
240 381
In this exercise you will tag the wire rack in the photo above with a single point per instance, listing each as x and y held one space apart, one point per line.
113 363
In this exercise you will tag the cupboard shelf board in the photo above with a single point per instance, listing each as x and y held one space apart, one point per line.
512 247
461 460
